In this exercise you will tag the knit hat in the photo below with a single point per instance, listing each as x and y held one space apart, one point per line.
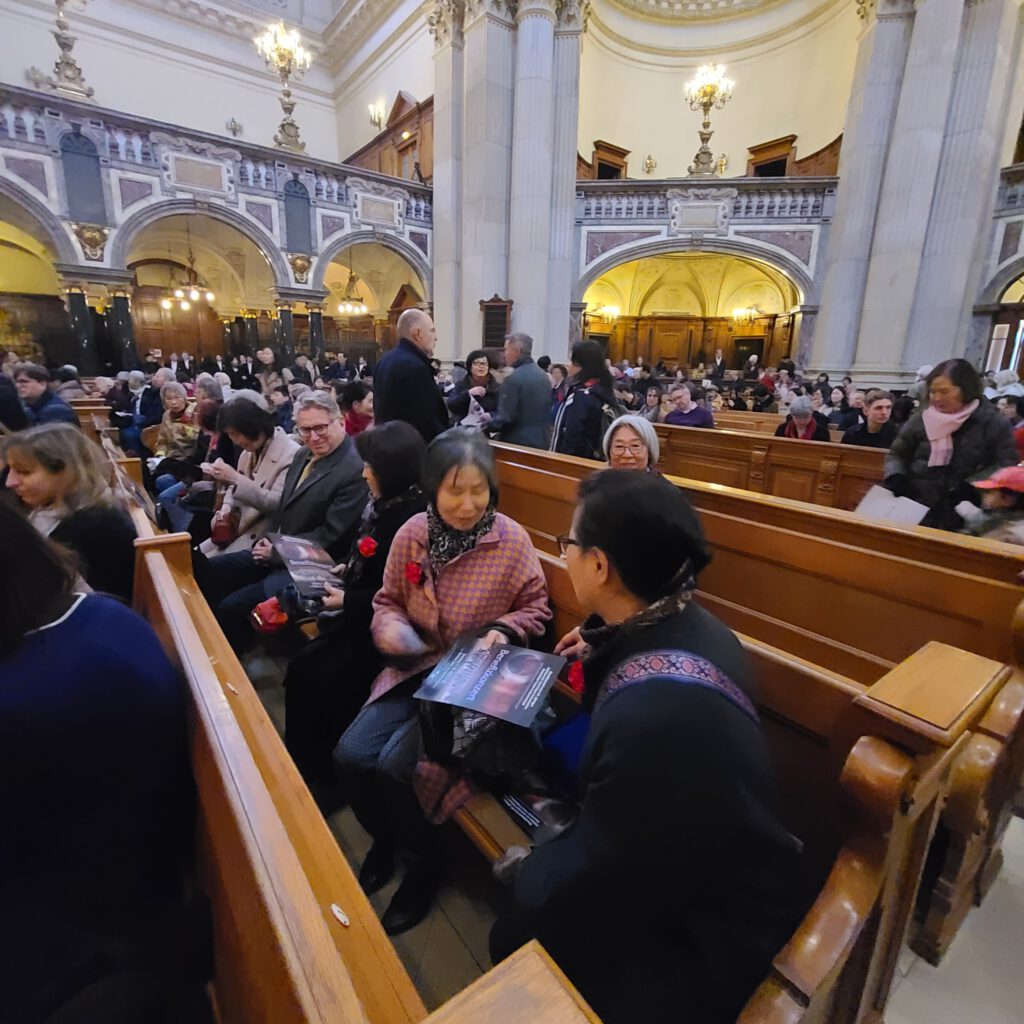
1009 479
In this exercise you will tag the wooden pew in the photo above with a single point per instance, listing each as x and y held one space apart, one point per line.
759 422
88 414
779 586
822 473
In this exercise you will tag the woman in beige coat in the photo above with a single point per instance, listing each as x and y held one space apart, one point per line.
255 487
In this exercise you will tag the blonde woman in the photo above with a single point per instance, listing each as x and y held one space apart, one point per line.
61 479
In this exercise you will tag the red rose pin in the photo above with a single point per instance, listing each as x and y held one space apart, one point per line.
576 676
414 573
367 547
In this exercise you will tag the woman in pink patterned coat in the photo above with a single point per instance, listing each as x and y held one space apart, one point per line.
460 567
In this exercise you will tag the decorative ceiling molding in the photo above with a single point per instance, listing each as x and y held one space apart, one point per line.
617 43
352 26
689 11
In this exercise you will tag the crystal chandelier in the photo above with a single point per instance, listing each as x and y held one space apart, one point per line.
285 55
745 315
352 303
192 289
708 88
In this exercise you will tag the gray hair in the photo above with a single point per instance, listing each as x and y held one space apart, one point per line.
251 396
643 427
136 378
801 408
162 376
316 400
172 387
1004 378
522 341
209 388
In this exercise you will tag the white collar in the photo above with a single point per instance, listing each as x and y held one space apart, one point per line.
79 598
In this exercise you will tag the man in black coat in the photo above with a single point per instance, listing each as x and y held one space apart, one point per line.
323 498
12 415
244 377
215 364
716 371
303 371
403 383
40 403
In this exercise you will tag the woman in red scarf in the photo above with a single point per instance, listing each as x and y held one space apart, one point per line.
356 401
802 424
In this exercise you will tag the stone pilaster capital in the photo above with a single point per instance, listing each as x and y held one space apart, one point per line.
572 15
885 10
546 9
503 11
445 23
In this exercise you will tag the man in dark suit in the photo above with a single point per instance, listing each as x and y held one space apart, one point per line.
524 401
323 499
244 377
214 364
143 408
716 371
302 370
404 387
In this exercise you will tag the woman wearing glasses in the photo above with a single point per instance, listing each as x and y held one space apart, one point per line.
631 443
678 877
254 489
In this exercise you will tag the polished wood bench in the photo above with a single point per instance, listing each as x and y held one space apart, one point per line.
759 422
819 472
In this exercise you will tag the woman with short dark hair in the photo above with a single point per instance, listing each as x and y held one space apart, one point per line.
252 492
460 567
355 399
678 836
329 680
478 384
958 437
97 815
580 422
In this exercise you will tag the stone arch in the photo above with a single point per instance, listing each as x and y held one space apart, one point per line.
55 237
992 293
399 246
794 271
129 230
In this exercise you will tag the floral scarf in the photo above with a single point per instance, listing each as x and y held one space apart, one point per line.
445 544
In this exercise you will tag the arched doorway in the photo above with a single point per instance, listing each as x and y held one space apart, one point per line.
679 307
369 286
33 318
220 275
1006 342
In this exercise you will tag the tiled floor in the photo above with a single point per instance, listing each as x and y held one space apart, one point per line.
980 981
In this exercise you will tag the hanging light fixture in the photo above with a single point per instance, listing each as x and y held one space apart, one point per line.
192 289
352 303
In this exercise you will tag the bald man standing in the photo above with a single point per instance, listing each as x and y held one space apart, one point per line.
403 383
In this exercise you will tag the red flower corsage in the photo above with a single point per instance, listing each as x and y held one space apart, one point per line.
367 547
575 679
414 573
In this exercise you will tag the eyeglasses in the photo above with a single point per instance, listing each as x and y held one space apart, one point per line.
564 540
320 430
637 449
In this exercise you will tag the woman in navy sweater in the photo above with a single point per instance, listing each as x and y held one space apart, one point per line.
96 797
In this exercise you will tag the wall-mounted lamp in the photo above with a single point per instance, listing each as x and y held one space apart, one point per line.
649 164
377 115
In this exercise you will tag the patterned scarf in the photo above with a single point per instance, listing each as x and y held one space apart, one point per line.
445 543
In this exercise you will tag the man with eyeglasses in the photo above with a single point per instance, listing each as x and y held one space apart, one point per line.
323 498
41 404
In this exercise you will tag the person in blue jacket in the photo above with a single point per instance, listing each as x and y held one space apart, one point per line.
41 404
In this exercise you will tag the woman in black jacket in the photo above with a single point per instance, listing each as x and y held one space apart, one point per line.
479 384
675 887
586 413
329 680
62 480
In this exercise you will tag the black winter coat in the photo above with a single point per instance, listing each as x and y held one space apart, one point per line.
104 541
404 389
458 400
12 413
676 886
579 420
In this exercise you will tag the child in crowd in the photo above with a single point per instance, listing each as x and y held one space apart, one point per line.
1001 516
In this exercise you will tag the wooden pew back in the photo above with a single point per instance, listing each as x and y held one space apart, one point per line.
830 587
820 472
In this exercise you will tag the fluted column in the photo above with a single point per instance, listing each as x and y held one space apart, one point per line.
959 228
445 24
878 75
532 151
486 158
316 331
908 190
121 331
566 67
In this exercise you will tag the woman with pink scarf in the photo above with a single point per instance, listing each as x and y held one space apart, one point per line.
959 437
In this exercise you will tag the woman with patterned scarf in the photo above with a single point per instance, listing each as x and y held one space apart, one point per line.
461 567
676 883
329 680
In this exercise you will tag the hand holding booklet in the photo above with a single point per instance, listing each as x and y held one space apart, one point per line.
880 503
506 682
308 564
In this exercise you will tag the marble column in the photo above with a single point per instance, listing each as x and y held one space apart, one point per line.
85 356
556 339
316 331
284 332
960 224
252 332
532 149
908 191
486 159
445 24
121 331
878 75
